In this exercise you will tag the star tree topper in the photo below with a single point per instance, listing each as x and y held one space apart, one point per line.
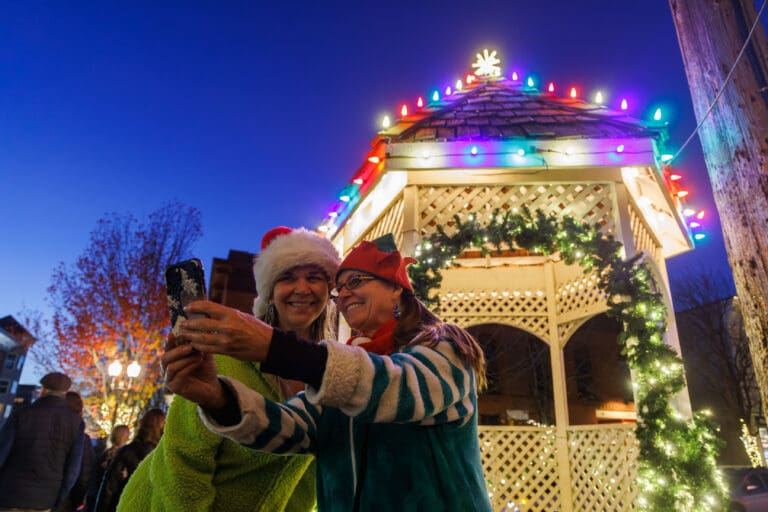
487 64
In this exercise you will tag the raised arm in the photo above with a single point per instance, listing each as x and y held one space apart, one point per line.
420 384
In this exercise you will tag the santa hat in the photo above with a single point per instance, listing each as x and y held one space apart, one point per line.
283 248
379 258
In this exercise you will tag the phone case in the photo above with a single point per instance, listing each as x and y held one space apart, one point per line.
185 283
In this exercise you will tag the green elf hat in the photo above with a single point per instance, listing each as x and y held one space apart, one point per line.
379 258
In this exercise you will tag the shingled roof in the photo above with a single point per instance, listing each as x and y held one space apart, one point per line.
502 109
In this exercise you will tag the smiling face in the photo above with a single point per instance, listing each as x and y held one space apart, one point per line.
300 295
369 305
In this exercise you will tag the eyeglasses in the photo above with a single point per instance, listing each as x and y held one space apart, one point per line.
350 284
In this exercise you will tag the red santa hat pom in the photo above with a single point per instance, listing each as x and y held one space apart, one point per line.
272 234
380 258
282 249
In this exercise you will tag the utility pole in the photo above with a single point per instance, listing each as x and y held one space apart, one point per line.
734 137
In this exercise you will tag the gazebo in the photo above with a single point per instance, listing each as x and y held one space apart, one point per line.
497 144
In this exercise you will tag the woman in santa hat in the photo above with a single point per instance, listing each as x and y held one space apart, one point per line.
194 470
391 416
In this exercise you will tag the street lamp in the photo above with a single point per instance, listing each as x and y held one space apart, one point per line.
133 370
123 390
115 368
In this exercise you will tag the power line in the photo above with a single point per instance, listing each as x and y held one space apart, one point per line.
725 83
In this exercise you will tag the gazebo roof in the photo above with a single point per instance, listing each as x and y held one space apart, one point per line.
505 127
499 108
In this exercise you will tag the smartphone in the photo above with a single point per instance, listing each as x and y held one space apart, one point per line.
184 283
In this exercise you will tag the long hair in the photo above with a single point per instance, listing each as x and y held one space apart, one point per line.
151 425
114 436
418 325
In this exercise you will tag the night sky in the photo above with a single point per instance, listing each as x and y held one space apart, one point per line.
259 116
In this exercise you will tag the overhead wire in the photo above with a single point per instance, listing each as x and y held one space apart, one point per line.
725 83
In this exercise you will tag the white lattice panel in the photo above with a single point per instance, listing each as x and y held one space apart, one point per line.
580 297
520 468
566 329
603 468
523 309
390 222
642 237
591 202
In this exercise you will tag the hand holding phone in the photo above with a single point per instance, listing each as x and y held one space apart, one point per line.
185 283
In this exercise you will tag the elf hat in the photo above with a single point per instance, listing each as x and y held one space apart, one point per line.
379 258
283 248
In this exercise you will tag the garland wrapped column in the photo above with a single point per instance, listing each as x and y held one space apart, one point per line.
677 462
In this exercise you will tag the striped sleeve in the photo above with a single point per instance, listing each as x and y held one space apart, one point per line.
279 428
420 384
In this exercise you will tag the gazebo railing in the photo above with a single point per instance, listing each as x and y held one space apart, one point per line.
521 468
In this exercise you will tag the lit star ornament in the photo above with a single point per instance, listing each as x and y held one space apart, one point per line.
487 64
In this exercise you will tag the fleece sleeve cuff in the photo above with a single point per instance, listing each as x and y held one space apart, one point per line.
345 383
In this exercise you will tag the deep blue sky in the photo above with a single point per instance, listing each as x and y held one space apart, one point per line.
258 116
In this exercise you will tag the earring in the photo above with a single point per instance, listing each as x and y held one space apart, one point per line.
396 311
271 314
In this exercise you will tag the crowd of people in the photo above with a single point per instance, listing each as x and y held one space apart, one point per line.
272 412
49 463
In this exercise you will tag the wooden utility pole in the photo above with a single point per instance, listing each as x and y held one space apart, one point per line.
734 136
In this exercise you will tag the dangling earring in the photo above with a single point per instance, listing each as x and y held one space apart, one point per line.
396 311
271 314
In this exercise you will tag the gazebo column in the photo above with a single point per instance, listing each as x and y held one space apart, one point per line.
411 232
559 391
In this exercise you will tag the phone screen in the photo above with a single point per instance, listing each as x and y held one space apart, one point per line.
185 283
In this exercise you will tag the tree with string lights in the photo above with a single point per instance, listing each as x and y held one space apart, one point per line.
110 313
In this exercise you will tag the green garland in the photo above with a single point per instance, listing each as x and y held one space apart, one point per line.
676 467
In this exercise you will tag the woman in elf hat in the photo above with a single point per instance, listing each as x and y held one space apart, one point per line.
195 470
391 417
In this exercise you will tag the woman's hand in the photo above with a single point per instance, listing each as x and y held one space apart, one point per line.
227 331
192 374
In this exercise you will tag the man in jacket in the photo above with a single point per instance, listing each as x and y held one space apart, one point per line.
41 449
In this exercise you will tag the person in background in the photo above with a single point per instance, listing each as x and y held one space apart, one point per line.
126 460
391 417
195 470
76 496
41 449
118 438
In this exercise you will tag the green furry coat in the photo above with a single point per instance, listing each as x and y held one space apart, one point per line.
194 470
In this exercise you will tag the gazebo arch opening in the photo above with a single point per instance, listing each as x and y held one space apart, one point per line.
519 375
598 380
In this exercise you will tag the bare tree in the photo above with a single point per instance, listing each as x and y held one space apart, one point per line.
716 353
721 342
110 307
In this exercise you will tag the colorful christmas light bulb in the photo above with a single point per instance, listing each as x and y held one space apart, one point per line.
599 98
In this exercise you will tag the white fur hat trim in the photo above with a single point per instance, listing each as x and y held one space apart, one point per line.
299 247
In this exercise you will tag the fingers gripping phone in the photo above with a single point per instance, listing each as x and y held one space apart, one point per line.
185 283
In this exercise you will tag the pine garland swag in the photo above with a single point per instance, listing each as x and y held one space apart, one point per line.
676 465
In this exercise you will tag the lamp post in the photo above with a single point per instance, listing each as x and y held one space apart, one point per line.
122 391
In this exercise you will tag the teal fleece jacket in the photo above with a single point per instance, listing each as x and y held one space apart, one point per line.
194 470
398 432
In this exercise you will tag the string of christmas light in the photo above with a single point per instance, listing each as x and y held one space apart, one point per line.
677 460
486 67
